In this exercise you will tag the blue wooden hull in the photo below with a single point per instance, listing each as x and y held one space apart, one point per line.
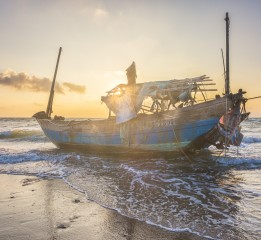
168 131
161 139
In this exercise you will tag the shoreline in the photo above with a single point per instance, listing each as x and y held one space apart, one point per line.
34 208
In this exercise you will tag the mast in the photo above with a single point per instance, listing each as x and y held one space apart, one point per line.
227 81
49 109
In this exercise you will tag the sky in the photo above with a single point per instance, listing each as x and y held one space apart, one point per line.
167 39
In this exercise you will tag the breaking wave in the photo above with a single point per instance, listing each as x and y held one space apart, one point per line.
239 161
7 157
19 133
251 139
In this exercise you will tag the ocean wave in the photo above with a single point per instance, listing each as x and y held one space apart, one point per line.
258 120
42 169
228 161
146 217
19 133
247 139
7 157
137 172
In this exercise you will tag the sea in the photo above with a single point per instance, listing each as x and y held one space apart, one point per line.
212 194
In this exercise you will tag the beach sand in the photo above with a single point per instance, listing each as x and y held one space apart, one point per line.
33 208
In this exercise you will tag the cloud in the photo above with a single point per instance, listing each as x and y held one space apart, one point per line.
74 87
24 81
99 12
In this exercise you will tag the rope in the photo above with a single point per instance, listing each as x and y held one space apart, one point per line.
219 155
253 98
180 149
226 128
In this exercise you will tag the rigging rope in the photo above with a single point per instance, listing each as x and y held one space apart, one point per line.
219 155
253 98
180 149
226 128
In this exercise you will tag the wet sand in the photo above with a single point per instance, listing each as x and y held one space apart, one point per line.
32 208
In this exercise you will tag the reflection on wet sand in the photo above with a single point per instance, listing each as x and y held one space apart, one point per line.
50 209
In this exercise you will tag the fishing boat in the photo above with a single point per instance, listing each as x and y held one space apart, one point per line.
160 116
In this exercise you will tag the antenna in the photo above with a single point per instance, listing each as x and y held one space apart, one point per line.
227 80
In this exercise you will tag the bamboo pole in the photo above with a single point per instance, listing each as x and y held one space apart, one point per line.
49 109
